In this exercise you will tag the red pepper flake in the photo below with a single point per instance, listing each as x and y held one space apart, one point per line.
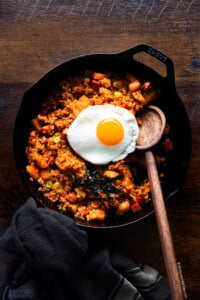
136 207
92 102
168 145
95 84
126 106
140 199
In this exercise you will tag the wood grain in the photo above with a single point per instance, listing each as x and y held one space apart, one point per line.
36 35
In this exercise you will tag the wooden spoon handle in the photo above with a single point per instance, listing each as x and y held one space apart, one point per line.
163 228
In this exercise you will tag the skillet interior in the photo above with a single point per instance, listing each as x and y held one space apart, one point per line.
169 102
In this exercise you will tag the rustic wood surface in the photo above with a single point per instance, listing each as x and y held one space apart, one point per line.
36 35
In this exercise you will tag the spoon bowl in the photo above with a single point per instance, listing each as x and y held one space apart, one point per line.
152 127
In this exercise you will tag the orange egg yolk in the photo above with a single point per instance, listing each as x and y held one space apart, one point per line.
110 132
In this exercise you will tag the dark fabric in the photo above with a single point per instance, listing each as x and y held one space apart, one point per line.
54 259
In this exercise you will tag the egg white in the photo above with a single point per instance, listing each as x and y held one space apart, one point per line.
83 139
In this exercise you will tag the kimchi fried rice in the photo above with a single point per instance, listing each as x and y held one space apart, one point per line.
89 192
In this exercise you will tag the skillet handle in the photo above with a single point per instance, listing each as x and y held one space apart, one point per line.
155 53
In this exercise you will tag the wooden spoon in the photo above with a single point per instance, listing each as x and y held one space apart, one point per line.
151 130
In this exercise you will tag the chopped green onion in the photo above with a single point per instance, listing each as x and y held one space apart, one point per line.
60 207
48 184
56 139
73 177
57 185
117 94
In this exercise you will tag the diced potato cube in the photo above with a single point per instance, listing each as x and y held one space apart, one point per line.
98 76
106 82
45 174
41 162
123 208
71 197
138 96
110 174
33 171
134 86
96 215
80 193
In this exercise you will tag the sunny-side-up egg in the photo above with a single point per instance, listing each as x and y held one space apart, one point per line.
103 133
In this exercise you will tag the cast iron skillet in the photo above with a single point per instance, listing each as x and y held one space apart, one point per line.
169 101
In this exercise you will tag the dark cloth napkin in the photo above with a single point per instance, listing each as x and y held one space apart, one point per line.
55 260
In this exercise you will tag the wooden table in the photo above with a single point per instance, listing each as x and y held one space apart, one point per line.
36 35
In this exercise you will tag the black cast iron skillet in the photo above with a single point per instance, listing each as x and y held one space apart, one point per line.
169 101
